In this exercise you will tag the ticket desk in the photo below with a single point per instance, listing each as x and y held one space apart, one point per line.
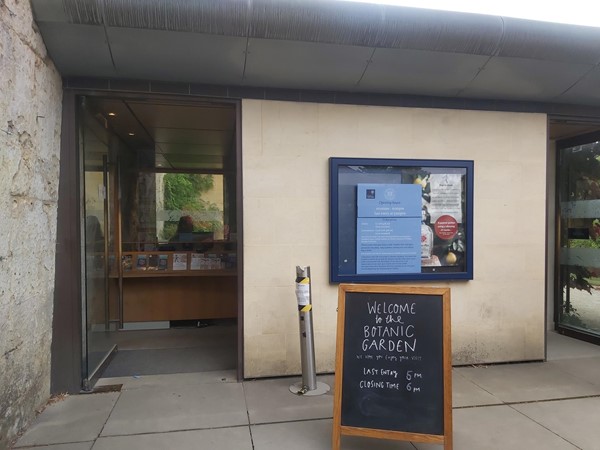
178 285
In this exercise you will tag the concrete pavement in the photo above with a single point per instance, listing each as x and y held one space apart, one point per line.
550 405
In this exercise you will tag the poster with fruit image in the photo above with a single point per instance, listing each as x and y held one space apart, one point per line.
442 236
446 196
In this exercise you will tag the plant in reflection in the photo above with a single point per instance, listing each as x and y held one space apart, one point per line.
580 181
581 172
183 192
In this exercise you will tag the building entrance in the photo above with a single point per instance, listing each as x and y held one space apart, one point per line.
159 236
578 260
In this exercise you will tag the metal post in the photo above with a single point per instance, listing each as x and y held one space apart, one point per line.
309 384
307 345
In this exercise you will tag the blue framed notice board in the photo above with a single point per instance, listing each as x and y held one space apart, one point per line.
399 219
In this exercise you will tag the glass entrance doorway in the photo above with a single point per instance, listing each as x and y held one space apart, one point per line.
578 190
100 200
159 236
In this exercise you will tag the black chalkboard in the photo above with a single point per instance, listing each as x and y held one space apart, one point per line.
392 364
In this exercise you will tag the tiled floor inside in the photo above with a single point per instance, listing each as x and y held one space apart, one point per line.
551 405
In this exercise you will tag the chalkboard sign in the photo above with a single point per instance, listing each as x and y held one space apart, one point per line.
393 364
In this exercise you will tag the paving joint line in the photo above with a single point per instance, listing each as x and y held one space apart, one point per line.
248 416
314 419
49 445
179 430
108 417
249 425
525 402
543 426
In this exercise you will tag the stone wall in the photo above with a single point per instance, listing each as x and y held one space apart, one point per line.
30 117
496 317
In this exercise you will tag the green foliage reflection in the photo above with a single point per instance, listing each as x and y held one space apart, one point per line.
183 192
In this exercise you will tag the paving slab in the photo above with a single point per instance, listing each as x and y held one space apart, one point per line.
177 408
74 446
577 420
237 438
587 369
467 393
77 418
499 428
528 382
314 435
271 401
565 347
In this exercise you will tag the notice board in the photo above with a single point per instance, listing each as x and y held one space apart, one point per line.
398 220
393 372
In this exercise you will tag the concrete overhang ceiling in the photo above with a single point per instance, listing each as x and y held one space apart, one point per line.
323 45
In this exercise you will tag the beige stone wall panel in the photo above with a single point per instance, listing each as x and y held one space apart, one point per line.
30 116
497 317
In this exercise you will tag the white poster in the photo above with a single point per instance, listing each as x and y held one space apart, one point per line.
446 196
180 261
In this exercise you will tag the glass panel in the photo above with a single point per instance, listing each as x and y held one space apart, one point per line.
397 220
184 213
98 241
579 253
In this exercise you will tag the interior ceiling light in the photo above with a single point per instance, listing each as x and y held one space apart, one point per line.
131 133
112 114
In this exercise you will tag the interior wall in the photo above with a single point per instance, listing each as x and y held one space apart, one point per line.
30 117
499 316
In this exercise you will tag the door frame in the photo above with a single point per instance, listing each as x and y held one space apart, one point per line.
67 327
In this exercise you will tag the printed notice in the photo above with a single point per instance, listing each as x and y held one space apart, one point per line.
303 294
180 261
389 200
388 245
388 229
446 196
197 262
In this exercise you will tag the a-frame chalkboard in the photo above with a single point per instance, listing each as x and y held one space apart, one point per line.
393 368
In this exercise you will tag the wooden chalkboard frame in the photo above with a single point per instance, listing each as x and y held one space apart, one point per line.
338 428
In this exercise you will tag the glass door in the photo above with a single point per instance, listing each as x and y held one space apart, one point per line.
100 286
578 299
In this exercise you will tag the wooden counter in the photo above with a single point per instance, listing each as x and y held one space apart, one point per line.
161 295
179 298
